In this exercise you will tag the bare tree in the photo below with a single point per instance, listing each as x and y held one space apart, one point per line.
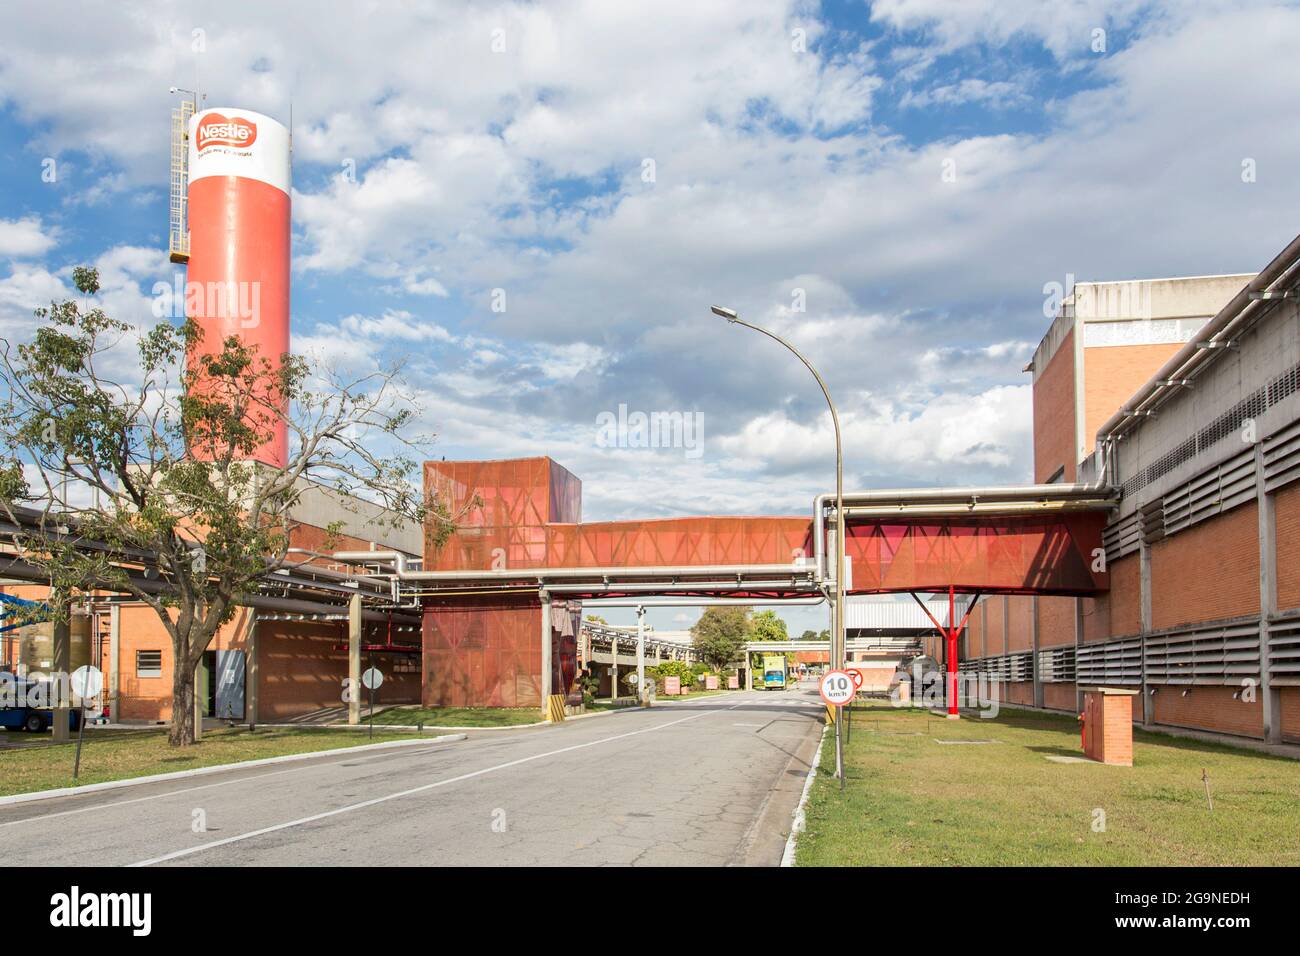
158 471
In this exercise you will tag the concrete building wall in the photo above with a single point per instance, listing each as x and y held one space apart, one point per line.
1202 566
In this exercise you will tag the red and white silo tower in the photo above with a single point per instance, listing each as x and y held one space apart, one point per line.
238 238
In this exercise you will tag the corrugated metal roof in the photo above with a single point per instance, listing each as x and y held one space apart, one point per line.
881 613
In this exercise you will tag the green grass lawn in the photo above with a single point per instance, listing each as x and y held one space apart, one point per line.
909 800
120 754
458 716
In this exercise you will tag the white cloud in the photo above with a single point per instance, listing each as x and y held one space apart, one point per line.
1064 28
522 171
26 237
395 324
998 94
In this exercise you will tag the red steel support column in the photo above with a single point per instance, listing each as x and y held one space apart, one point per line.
951 633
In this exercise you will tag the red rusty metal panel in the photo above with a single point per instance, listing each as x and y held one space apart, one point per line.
510 514
1029 555
655 543
521 514
485 651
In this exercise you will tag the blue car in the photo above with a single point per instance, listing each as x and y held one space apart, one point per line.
34 720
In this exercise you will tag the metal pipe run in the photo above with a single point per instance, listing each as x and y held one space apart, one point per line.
992 509
699 602
547 574
689 586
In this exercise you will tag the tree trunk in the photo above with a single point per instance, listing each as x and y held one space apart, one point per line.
188 648
183 690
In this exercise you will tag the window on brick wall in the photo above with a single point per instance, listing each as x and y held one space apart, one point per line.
148 663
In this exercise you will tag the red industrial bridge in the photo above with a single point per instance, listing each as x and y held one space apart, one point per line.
501 599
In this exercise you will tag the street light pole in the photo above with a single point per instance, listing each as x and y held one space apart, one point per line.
837 611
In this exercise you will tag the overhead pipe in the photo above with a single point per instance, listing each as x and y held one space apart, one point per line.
992 509
698 602
395 558
263 602
549 574
328 572
17 568
684 585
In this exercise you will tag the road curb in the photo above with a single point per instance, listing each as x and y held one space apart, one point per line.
411 727
460 730
800 820
215 768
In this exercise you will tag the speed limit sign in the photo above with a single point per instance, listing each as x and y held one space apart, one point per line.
837 688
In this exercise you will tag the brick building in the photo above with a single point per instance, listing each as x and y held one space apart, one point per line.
1184 393
282 657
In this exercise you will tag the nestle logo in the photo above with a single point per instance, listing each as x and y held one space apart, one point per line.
217 130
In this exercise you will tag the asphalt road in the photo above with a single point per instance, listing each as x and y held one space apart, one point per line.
707 782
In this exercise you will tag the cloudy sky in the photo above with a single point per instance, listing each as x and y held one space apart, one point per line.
889 184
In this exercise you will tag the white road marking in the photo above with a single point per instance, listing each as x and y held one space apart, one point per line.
177 854
207 786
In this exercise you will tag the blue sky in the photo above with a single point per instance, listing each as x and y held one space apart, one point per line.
798 154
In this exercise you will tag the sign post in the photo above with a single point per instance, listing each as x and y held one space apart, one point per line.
86 681
372 679
857 686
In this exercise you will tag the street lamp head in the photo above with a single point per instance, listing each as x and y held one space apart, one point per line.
731 315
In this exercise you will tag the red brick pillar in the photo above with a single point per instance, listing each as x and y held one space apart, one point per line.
1108 725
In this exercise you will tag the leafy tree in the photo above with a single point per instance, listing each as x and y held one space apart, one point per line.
155 467
720 634
808 636
679 669
765 626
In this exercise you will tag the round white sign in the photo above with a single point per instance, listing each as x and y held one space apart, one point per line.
87 681
837 688
372 678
